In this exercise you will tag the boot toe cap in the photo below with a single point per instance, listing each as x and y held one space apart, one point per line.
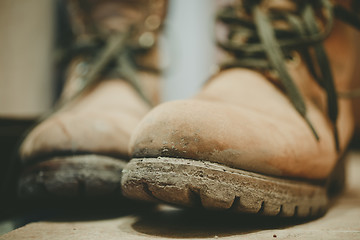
234 136
79 133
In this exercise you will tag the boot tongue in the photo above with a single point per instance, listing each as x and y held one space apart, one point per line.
119 15
93 17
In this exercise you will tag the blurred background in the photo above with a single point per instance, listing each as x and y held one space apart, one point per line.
26 41
28 34
189 33
29 80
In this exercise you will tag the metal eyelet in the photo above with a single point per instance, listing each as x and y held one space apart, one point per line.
153 22
79 83
147 40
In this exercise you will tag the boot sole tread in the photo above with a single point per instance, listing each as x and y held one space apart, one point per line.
72 176
190 183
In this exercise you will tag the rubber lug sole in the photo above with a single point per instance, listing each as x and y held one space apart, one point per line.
213 186
72 176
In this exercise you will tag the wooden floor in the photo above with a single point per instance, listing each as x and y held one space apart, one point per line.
341 222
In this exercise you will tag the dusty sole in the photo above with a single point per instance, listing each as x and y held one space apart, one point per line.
213 186
72 176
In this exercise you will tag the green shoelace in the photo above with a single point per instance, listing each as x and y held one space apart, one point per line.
265 47
111 55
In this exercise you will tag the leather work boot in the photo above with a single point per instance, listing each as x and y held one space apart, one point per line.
268 132
112 80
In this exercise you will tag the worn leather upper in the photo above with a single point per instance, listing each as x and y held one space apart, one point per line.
102 118
100 122
243 120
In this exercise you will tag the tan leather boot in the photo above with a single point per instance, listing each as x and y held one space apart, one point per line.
267 133
112 82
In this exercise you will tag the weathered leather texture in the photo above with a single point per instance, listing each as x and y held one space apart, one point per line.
102 118
243 120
